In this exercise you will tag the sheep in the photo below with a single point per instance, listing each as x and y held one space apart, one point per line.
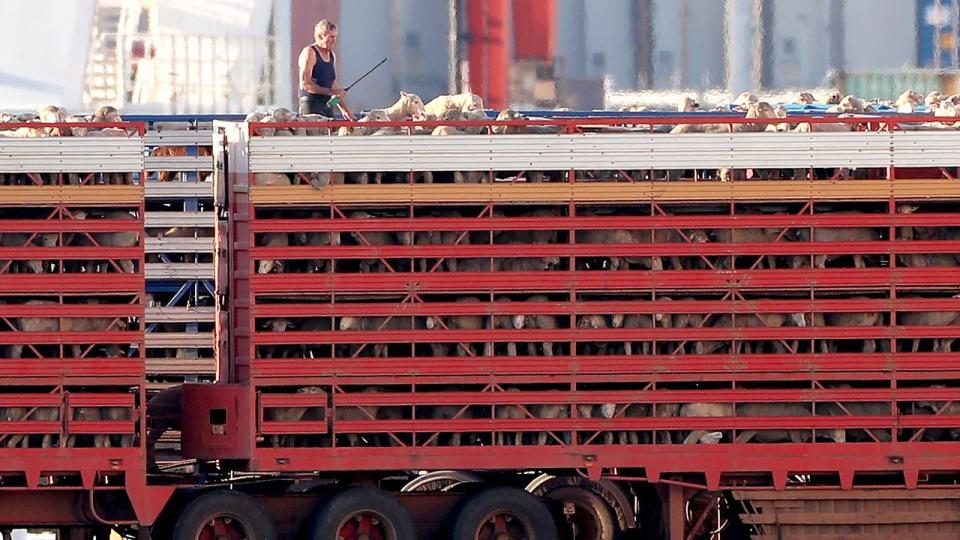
458 322
833 97
288 414
857 408
635 320
688 104
543 322
505 322
21 414
462 102
408 106
317 239
594 322
373 115
755 320
450 412
625 236
372 325
372 238
749 236
514 264
780 435
874 318
908 101
65 324
180 151
704 410
109 239
509 412
930 318
17 240
551 411
745 100
836 234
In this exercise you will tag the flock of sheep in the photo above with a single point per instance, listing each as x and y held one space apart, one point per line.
527 408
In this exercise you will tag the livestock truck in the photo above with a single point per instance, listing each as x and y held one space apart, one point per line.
578 333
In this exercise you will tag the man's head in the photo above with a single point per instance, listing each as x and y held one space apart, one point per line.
325 32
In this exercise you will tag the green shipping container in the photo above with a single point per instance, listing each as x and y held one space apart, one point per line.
890 84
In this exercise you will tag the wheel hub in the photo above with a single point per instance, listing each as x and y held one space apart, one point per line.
362 527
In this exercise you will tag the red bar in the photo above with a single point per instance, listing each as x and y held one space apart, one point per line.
70 338
534 29
559 223
826 395
636 368
514 251
96 283
580 335
70 253
624 280
489 51
854 305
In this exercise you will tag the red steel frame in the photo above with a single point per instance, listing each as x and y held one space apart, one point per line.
60 485
913 462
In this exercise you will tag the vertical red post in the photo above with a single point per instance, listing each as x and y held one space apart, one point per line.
534 29
489 51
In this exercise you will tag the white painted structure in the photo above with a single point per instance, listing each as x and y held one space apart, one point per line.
45 53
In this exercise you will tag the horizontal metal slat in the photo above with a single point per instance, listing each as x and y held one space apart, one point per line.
607 281
580 151
89 195
94 283
588 222
179 245
71 154
177 219
181 366
513 251
177 314
179 271
179 190
637 367
178 340
581 335
506 193
179 138
178 163
846 305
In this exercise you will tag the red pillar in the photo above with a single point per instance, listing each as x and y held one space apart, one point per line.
489 51
534 29
304 14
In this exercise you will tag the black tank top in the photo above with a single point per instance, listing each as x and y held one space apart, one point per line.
324 73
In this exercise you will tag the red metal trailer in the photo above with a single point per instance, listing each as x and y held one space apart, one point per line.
597 338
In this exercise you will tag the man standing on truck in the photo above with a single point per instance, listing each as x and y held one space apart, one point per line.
318 73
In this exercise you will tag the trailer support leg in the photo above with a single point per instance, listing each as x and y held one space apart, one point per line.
675 509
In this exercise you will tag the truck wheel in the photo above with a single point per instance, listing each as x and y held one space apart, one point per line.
362 512
503 513
592 518
224 515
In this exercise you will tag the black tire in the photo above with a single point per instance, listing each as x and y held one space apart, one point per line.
529 517
593 516
241 513
337 510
